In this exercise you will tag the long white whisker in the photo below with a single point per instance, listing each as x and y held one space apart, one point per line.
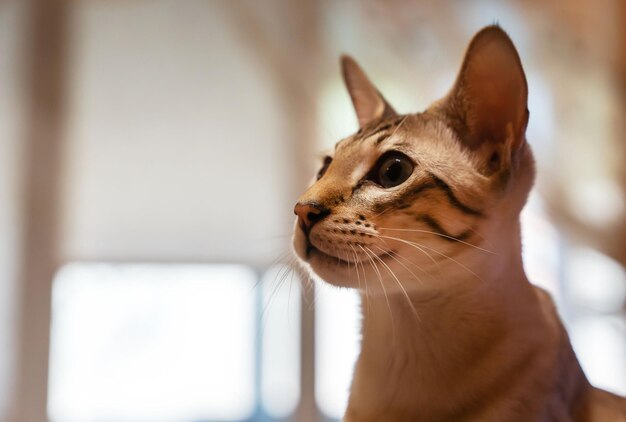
380 278
281 258
442 235
419 246
408 261
406 295
416 246
358 261
356 268
280 279
392 255
453 260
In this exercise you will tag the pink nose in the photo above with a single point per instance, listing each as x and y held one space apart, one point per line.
309 213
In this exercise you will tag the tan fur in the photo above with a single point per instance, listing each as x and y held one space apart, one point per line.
452 329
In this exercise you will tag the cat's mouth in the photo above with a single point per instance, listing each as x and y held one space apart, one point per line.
312 251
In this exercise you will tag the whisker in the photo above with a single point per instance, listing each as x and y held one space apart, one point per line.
406 295
419 246
358 261
306 283
408 261
393 256
416 246
347 260
440 234
281 276
274 293
289 294
356 255
399 125
380 278
476 232
281 258
454 260
350 269
382 212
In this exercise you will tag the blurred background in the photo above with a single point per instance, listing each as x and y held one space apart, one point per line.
150 156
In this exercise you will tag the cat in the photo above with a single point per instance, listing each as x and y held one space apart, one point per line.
420 213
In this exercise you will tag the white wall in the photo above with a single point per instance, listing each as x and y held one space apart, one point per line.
175 143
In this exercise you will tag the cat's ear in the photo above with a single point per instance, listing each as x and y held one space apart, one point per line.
368 103
490 95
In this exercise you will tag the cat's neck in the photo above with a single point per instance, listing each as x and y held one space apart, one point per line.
455 317
436 338
440 317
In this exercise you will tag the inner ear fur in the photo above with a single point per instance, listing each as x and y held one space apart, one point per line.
368 103
488 102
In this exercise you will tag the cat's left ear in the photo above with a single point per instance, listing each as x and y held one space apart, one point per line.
490 97
368 103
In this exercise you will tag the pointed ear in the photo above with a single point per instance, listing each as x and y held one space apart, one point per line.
368 103
490 95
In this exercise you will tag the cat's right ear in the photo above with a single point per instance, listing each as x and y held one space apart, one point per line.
368 103
488 102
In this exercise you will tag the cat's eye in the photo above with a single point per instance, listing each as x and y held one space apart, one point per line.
392 169
322 171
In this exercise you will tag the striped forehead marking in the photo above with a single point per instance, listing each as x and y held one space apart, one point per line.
380 131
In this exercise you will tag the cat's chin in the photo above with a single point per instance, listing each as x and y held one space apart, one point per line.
331 269
327 268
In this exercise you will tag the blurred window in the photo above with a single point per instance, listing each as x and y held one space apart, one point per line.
280 331
337 333
158 342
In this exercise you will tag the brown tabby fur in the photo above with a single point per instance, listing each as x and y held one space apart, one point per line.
452 329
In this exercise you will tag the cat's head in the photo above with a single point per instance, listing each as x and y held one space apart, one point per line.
410 196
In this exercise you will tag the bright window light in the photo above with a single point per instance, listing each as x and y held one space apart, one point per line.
152 343
280 330
595 282
541 247
600 345
337 345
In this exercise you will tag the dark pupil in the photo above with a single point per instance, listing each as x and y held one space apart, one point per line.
394 171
